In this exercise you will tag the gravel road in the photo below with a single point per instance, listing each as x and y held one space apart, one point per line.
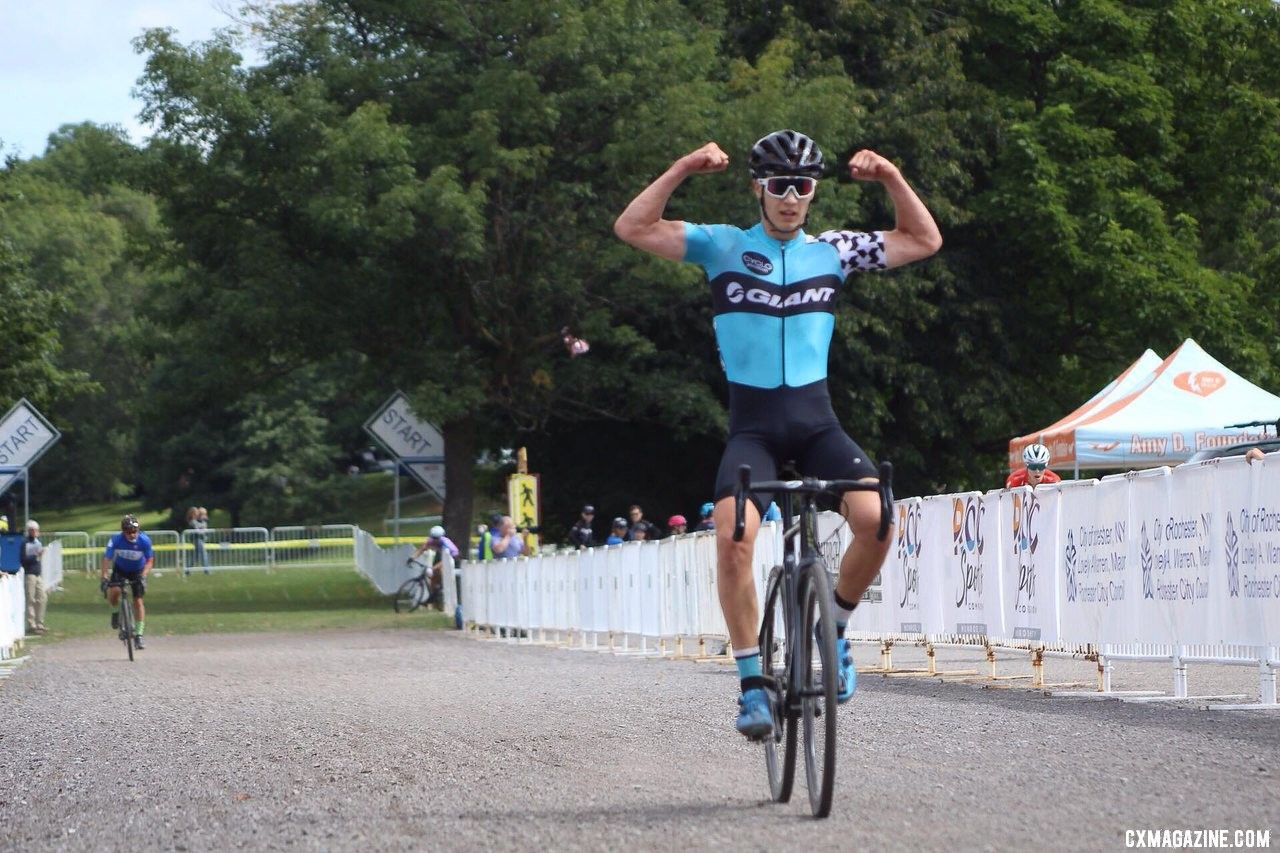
408 739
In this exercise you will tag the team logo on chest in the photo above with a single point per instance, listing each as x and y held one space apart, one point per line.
772 296
757 263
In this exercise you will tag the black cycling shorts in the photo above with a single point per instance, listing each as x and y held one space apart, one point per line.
134 579
768 427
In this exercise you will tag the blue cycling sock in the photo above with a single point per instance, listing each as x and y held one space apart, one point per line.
749 672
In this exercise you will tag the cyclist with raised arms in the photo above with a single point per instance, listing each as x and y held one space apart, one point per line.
773 291
127 559
1036 459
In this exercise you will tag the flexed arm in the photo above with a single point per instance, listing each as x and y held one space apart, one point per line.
642 225
915 235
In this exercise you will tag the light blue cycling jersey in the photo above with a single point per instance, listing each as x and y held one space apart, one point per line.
129 557
774 301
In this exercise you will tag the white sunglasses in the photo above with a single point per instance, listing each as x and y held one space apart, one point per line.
778 186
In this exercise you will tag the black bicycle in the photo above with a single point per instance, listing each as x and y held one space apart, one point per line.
416 591
124 613
797 632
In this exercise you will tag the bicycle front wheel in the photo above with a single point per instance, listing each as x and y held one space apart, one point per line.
126 622
780 748
410 595
816 660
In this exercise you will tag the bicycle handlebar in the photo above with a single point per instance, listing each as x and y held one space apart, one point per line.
813 486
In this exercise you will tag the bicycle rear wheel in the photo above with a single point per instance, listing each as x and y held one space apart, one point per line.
816 659
780 766
126 622
410 595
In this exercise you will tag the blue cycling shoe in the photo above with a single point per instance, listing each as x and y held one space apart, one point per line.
846 672
755 719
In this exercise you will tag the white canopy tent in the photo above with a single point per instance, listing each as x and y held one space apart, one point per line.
1188 402
1133 377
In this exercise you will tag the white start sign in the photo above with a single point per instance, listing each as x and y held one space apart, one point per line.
414 442
24 436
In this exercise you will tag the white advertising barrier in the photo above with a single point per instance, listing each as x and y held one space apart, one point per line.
970 575
900 574
1145 612
1249 546
935 532
1094 541
1029 547
1175 517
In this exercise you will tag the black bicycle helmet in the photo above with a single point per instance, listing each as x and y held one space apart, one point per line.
786 152
128 523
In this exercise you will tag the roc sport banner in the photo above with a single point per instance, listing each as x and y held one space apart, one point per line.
1029 540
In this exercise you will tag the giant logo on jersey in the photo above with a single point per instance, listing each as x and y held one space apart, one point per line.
729 293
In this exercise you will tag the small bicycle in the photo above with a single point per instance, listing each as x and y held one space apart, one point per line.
797 632
418 590
124 612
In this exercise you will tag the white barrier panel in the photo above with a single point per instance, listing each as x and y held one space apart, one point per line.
12 607
900 574
1093 535
51 566
650 590
1250 550
970 574
935 529
599 592
630 587
1029 593
1180 556
1145 613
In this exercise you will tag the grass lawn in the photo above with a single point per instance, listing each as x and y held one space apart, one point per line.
301 599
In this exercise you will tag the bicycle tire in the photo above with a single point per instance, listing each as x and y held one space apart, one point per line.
126 622
409 596
781 770
818 695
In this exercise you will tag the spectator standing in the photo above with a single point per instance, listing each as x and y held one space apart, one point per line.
508 543
484 547
37 596
1036 458
706 522
618 533
635 515
580 535
677 525
198 523
642 530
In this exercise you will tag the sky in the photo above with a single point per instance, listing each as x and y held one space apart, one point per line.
69 61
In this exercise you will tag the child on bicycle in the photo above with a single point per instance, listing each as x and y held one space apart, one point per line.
127 559
773 293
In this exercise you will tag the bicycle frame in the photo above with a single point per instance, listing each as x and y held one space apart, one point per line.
125 609
805 589
800 541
